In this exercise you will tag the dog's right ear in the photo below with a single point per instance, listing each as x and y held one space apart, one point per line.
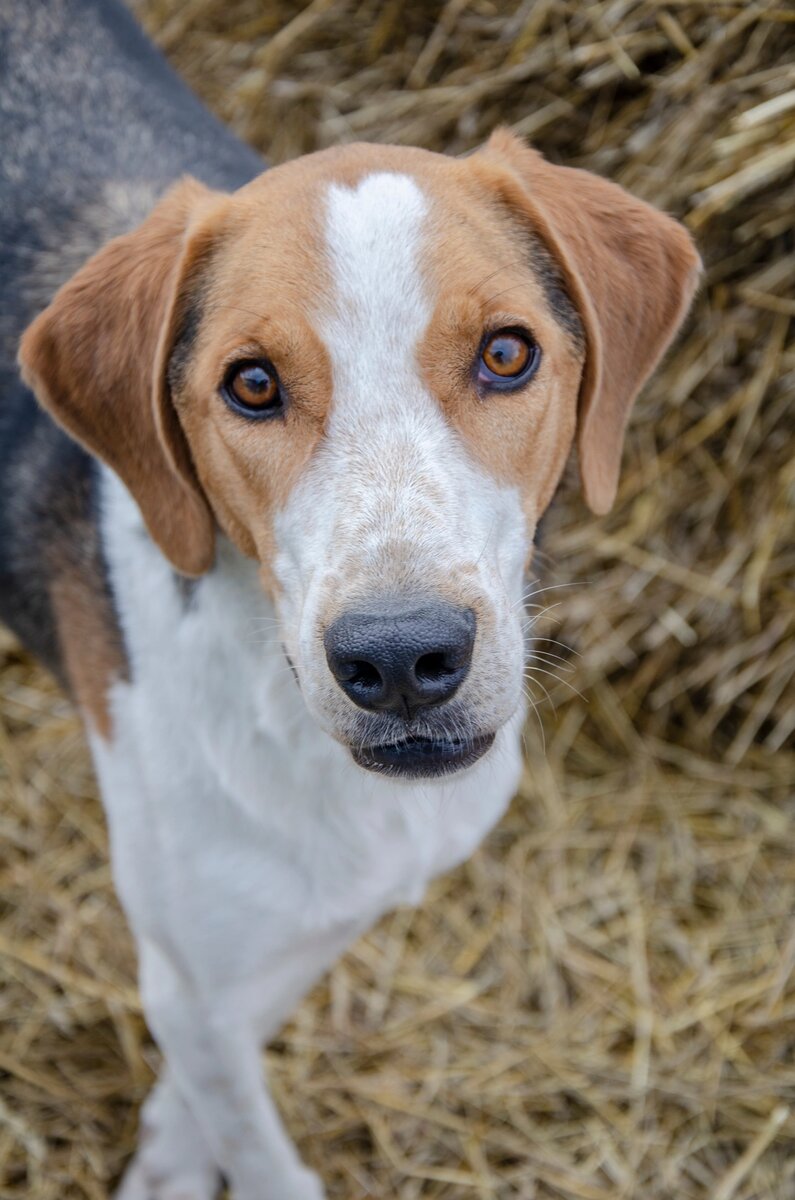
97 360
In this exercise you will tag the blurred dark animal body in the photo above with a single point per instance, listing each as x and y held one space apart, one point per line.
94 126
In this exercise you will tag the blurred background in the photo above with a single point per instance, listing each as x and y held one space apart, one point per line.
601 1004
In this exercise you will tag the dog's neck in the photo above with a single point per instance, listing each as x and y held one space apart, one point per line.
224 745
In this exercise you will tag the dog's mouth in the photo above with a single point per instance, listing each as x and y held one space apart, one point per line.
423 757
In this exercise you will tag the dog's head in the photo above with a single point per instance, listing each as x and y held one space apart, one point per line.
367 368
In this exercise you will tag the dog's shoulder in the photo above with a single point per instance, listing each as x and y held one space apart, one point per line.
54 586
96 126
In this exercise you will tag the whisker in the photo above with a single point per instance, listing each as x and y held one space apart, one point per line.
543 610
555 642
553 587
250 312
505 266
534 707
504 291
546 693
557 678
488 539
551 660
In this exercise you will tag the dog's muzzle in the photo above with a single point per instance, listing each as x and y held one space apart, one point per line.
402 664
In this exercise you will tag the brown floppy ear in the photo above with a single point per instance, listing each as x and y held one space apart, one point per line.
97 360
631 272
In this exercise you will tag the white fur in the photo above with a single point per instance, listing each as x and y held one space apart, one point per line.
248 849
393 502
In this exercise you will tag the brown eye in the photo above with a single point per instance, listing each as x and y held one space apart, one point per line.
508 357
253 388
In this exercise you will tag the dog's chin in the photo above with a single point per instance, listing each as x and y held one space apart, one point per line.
423 757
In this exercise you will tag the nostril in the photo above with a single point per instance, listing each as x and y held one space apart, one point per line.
361 673
433 668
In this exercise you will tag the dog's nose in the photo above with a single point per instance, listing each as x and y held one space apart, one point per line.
402 661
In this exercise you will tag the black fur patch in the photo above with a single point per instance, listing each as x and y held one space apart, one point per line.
185 340
555 291
49 527
88 145
187 588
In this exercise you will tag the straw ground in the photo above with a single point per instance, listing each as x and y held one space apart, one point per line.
601 1004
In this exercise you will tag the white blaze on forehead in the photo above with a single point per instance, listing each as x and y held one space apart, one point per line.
392 503
379 309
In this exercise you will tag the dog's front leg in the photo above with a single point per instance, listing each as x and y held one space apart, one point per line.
173 1161
210 1039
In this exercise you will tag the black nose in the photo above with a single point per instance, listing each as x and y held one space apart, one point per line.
403 661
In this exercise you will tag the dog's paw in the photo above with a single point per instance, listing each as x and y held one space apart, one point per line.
300 1184
307 1186
143 1182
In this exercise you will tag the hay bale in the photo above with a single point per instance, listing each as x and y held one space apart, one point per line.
601 1004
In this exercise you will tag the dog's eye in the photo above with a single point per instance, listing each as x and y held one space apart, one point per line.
253 388
509 358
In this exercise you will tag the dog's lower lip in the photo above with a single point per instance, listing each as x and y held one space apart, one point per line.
423 758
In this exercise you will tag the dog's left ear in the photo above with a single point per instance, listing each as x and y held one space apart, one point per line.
97 360
631 272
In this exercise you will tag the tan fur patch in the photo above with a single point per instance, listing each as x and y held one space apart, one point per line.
90 641
631 271
92 357
259 298
249 271
480 270
267 282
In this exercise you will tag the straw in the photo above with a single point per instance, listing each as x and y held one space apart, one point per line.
600 1005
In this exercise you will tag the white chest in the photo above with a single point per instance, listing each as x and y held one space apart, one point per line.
233 817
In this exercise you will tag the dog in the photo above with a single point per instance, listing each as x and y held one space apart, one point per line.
271 517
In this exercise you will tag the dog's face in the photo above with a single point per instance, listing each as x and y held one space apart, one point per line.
379 401
369 369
